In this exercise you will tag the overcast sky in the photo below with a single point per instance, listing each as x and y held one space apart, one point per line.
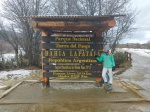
142 35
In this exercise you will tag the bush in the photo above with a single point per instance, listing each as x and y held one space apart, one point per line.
120 58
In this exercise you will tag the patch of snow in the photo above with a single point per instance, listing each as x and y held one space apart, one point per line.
147 76
7 56
21 51
15 74
141 52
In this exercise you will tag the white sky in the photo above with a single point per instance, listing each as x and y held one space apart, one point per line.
142 35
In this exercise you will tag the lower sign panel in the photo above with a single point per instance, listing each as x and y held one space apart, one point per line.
73 67
71 74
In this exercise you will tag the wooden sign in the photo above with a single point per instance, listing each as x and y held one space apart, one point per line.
72 67
72 53
72 74
71 39
70 60
71 46
71 57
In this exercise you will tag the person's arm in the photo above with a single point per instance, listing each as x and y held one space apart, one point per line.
100 58
113 61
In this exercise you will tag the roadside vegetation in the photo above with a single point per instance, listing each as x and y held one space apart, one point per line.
122 63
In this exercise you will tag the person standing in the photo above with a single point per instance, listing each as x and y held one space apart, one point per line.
108 63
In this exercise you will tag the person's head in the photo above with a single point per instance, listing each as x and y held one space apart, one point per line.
106 48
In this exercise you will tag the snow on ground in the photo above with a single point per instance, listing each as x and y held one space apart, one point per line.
7 57
141 52
139 73
15 74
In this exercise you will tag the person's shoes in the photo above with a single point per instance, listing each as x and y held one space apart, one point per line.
105 86
109 86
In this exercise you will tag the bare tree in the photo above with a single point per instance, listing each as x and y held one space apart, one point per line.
10 36
29 39
63 7
102 7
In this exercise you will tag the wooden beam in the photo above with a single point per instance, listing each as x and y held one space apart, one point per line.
66 24
73 101
62 24
50 24
109 23
75 34
45 80
72 26
33 23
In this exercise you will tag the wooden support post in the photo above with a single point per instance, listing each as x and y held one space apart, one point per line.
99 80
45 80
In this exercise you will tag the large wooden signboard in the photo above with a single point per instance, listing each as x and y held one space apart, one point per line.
71 57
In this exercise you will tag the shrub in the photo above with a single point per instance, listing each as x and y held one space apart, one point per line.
120 58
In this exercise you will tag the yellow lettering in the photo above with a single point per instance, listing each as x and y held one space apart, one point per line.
71 53
46 53
61 46
87 53
83 53
75 53
50 53
91 54
55 53
63 53
62 39
83 46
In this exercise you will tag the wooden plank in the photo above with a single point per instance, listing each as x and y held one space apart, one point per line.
70 81
72 46
72 101
4 87
71 39
9 90
77 28
71 60
135 86
50 24
134 90
118 89
72 67
69 24
32 81
73 34
71 53
118 83
70 32
71 74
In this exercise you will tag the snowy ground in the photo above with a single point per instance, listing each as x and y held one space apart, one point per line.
14 74
141 52
139 73
7 56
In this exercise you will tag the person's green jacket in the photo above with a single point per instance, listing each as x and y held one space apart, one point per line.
108 60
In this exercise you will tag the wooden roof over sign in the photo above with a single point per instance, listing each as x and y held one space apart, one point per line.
73 23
